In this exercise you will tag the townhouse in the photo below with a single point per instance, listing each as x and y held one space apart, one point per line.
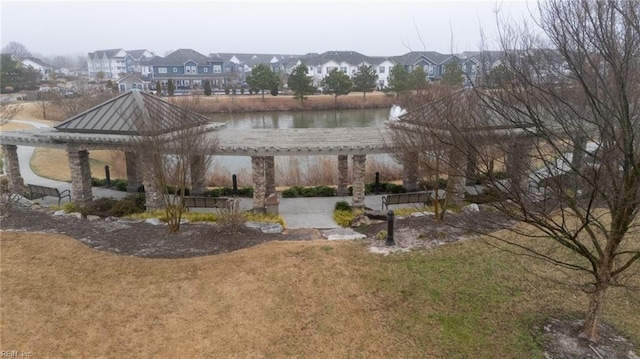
188 69
114 63
238 66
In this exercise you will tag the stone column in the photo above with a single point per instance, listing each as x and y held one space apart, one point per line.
343 172
456 173
270 175
12 168
198 175
153 196
410 175
358 180
517 163
134 173
81 192
471 172
259 183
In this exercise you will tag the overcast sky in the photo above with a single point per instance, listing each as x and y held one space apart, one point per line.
375 28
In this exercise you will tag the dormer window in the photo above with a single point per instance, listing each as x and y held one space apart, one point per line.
191 70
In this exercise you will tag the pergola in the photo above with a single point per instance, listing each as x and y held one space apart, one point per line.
112 125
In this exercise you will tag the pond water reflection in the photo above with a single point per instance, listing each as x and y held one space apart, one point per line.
299 170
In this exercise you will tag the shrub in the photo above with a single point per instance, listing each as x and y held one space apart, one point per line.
344 218
120 184
69 207
7 197
382 235
231 218
318 191
97 182
266 217
343 206
246 192
134 203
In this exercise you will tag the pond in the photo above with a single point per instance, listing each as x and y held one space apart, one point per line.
300 170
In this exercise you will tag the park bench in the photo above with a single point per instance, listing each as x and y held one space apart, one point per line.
38 191
206 202
402 198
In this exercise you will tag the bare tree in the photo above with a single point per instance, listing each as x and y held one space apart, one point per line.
80 99
176 144
8 110
578 89
562 121
17 49
427 142
44 101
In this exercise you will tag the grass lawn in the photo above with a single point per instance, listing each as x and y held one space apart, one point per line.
315 299
54 164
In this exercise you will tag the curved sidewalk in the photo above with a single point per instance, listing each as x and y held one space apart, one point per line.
24 157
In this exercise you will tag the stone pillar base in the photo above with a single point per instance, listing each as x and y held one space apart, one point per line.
358 180
343 172
12 168
259 183
81 192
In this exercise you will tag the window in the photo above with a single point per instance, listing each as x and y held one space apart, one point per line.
381 69
343 69
430 72
319 70
206 69
217 69
162 70
175 69
191 69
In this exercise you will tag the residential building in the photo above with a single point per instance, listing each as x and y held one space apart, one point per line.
188 69
43 68
113 63
320 65
238 65
131 82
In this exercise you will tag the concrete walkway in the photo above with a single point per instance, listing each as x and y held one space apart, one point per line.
24 156
314 212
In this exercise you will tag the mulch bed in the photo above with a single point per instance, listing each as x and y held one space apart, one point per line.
141 239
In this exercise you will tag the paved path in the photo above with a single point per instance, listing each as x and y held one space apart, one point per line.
24 156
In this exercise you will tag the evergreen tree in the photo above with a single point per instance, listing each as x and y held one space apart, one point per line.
207 87
336 83
158 88
452 75
418 79
399 80
263 78
171 88
300 83
364 80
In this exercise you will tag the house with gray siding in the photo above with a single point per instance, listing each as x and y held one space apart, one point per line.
131 82
188 69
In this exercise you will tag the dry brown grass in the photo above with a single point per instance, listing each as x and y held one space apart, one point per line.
254 103
54 164
11 126
304 299
314 299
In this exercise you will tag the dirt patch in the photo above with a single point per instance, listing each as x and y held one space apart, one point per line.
560 340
